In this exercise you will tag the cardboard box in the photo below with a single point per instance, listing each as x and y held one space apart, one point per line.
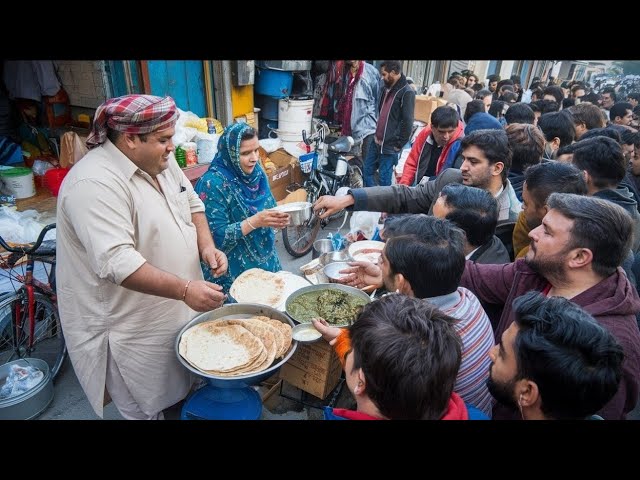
288 172
425 105
314 368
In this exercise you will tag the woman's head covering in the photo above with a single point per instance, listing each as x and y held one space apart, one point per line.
254 186
132 114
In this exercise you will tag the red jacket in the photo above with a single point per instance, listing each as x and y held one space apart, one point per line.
412 163
613 303
456 410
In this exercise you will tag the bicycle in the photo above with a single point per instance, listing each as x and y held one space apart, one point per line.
29 320
298 240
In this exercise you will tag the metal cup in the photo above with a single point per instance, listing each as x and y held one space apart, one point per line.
321 246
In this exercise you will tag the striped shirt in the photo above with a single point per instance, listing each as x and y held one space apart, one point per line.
476 333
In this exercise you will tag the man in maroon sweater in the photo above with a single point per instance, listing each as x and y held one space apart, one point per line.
575 253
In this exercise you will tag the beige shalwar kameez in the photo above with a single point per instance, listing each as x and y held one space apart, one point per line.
110 221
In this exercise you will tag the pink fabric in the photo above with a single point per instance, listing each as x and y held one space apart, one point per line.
132 114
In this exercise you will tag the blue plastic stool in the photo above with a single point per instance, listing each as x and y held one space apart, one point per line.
213 403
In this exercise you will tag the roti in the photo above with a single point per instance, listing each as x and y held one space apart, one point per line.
285 330
258 286
266 335
210 347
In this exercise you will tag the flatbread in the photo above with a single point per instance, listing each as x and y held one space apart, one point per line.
265 333
210 347
258 286
284 328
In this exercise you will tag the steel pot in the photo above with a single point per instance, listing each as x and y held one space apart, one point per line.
299 212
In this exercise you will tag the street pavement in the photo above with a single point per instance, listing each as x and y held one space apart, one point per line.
70 402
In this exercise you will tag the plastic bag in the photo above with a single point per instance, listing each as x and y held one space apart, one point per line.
72 149
337 240
207 146
21 379
270 144
22 227
364 223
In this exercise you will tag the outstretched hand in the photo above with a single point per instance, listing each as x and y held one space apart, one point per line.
328 332
361 274
328 205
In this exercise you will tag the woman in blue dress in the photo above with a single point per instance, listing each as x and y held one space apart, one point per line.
236 196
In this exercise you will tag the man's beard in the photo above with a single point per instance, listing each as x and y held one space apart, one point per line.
502 392
549 267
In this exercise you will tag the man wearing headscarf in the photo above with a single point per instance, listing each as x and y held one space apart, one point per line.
130 235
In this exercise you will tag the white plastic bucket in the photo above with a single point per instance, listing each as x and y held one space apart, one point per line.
18 182
293 117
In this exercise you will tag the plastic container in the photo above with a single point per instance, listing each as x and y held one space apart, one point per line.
273 83
293 117
306 161
207 148
190 153
53 179
18 181
181 156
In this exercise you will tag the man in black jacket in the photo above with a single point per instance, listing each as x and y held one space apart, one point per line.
393 129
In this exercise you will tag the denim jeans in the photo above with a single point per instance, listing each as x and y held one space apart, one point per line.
384 163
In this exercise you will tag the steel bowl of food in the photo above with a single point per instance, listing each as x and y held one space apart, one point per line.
306 333
336 256
332 271
338 304
237 330
299 212
366 251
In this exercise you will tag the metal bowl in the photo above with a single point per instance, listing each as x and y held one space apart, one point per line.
332 257
321 287
238 310
299 212
321 246
31 403
331 271
306 333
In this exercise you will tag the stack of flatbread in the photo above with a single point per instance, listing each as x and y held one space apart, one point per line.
258 286
228 348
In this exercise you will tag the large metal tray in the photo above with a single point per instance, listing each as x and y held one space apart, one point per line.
321 287
238 310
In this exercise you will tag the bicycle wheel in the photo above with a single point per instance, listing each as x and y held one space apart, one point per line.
48 340
299 240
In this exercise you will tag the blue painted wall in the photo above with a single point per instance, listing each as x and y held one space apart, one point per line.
181 79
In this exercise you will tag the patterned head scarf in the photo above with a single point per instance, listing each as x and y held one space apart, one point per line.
132 114
253 187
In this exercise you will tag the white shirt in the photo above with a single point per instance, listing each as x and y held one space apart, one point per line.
111 220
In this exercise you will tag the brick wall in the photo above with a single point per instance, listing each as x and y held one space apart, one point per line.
84 81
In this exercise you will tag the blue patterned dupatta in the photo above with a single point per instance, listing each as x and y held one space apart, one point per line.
251 190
